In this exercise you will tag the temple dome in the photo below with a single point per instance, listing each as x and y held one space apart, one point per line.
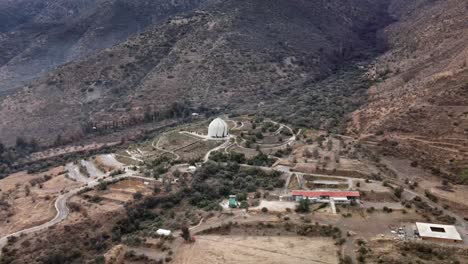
218 129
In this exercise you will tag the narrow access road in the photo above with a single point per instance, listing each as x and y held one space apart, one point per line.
224 145
61 206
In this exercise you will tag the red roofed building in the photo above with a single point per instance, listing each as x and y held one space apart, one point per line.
336 195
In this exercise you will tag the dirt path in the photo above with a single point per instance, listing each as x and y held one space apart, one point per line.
446 146
155 145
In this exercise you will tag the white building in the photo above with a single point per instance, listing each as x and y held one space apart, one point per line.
192 169
218 129
440 233
163 232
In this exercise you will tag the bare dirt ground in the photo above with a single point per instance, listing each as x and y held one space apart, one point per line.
69 149
200 127
377 224
258 250
246 151
274 206
314 152
456 196
387 251
197 150
175 140
374 186
112 200
125 159
121 191
31 205
106 162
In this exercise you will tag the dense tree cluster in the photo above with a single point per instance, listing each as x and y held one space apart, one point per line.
11 155
260 159
214 181
321 104
211 183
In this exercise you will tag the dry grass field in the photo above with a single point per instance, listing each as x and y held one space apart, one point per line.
30 198
121 191
257 250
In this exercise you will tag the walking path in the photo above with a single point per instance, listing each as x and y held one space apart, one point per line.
156 146
332 206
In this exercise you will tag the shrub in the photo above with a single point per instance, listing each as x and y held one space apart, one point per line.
398 191
102 186
303 206
430 196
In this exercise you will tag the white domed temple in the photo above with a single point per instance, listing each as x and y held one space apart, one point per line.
218 129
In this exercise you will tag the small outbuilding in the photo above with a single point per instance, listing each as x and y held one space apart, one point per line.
438 233
192 169
232 201
163 232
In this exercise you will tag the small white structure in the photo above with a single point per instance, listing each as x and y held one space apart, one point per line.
163 232
436 232
218 129
192 169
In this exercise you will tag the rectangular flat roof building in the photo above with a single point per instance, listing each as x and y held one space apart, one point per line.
440 233
301 194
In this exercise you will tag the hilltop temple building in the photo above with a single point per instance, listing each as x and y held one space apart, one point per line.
218 129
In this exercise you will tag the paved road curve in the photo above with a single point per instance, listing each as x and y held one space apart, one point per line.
61 206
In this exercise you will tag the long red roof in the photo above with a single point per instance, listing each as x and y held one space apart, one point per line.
326 193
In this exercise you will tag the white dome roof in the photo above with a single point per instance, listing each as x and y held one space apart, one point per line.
218 129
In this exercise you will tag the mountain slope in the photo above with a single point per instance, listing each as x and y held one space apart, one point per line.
38 35
232 55
421 107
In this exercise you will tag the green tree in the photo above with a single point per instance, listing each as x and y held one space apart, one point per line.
102 186
137 195
303 206
398 191
186 234
2 148
330 144
259 135
244 205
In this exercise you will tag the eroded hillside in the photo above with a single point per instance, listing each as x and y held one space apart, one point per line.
38 35
235 55
420 104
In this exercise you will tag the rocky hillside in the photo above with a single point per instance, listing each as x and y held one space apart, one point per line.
235 54
420 104
38 35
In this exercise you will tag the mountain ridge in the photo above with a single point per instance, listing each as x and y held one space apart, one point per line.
217 58
39 35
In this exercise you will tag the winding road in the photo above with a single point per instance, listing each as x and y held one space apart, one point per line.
97 177
61 204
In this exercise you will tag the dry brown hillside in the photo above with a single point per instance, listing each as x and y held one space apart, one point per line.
38 35
420 104
232 55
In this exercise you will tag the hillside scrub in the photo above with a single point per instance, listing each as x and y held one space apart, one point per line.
211 183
